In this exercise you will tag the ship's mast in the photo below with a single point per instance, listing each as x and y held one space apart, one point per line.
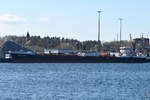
99 42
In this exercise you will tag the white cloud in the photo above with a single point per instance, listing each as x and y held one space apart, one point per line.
11 19
44 19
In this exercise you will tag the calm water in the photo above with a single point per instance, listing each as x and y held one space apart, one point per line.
74 81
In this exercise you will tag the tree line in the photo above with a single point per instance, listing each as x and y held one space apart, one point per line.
38 44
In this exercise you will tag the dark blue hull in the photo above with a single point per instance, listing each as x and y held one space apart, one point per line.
23 58
2 60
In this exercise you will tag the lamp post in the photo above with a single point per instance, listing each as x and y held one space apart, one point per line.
120 31
99 42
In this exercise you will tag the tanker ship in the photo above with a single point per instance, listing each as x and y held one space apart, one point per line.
28 57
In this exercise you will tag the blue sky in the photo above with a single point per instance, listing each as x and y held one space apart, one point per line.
74 18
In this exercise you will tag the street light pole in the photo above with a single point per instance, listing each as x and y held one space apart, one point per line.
99 42
120 31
